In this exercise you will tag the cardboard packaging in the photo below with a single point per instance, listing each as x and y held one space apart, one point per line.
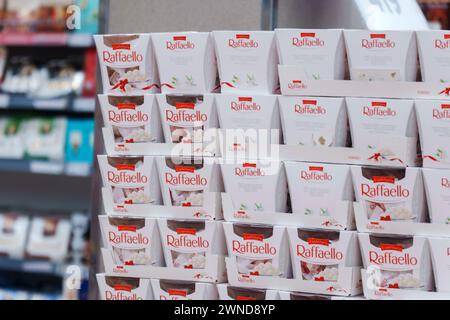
258 250
398 262
127 63
320 255
247 61
315 188
186 62
434 127
132 241
49 238
390 194
183 290
130 180
121 288
434 49
256 186
186 180
320 52
252 119
188 243
314 121
185 118
440 256
227 292
381 55
374 121
437 187
13 234
132 119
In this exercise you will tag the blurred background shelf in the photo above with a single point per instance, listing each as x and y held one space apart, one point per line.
77 40
77 169
69 104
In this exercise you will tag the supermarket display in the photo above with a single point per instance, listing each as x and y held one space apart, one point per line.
350 200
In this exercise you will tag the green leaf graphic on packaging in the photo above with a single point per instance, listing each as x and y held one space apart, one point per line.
316 76
251 80
174 81
235 79
308 212
242 207
190 81
258 206
324 212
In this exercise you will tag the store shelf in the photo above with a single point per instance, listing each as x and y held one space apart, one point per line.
31 266
22 102
46 39
46 167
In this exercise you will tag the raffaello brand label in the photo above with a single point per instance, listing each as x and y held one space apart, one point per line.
434 128
187 244
400 262
381 56
434 47
119 288
255 186
315 188
437 187
318 54
247 61
390 194
259 250
377 41
319 255
127 63
314 121
186 62
242 40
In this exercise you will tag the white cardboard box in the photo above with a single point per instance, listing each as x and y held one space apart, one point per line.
314 121
321 255
381 55
440 257
187 243
185 180
247 121
133 119
132 241
127 63
398 262
437 188
317 188
434 127
434 49
256 186
374 121
247 61
395 195
186 62
319 52
130 180
258 250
